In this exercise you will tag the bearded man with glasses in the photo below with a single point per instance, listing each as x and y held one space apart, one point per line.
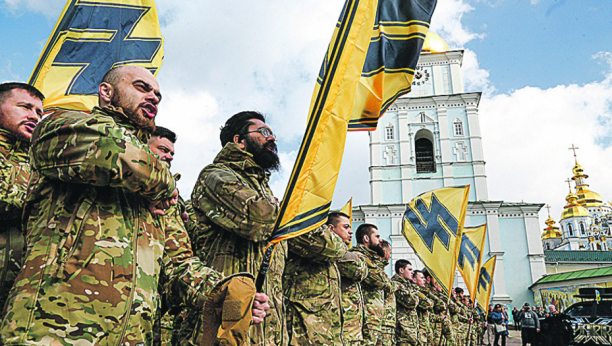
235 212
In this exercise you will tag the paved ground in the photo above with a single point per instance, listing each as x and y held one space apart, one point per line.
514 340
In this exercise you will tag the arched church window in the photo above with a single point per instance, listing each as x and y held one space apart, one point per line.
570 230
458 125
582 230
389 133
424 150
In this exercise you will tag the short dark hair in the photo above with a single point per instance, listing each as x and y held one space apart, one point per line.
426 273
334 217
385 244
458 290
163 132
363 230
112 75
415 272
401 264
7 88
238 124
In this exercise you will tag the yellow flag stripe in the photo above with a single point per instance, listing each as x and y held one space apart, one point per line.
338 58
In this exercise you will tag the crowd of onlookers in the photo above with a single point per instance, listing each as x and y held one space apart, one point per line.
527 320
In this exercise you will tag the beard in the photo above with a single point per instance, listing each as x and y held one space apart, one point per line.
133 113
262 155
378 249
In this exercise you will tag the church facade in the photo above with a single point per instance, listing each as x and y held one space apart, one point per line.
431 139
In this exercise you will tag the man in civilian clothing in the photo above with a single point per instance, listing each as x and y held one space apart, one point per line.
530 325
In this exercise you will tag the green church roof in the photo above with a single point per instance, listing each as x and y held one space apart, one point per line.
576 275
578 256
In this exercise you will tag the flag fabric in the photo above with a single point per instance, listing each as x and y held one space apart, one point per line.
597 296
485 282
89 39
397 38
348 209
311 186
433 226
470 255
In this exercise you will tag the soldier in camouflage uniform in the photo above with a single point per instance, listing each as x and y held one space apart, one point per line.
407 298
423 311
440 319
389 321
375 285
161 143
311 284
353 270
462 320
97 248
20 110
235 213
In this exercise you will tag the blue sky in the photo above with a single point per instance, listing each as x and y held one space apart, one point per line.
544 67
543 44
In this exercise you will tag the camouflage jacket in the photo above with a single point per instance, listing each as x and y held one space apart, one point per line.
407 299
235 212
374 287
95 253
14 175
389 320
312 288
353 269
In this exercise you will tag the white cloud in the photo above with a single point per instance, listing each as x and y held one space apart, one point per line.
49 8
446 22
475 78
527 133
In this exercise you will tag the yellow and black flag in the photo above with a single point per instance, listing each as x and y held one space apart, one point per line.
485 283
348 209
311 186
433 226
470 255
89 39
397 38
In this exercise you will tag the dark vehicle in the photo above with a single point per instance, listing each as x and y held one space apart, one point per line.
586 323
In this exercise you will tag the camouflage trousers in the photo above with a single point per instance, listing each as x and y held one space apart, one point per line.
387 336
322 327
371 336
425 333
443 330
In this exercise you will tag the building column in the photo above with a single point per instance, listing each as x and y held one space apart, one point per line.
535 251
495 248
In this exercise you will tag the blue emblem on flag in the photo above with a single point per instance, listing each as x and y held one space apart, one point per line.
436 222
484 279
468 251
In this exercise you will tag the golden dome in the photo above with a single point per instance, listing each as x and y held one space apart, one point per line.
573 209
578 170
434 44
586 197
551 231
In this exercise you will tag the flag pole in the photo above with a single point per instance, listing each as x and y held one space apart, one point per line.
265 265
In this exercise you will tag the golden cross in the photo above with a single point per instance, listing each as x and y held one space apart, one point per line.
548 207
574 149
568 181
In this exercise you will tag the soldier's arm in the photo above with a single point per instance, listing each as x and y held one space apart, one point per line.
319 245
424 302
378 278
353 266
406 297
184 278
88 149
12 196
239 208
